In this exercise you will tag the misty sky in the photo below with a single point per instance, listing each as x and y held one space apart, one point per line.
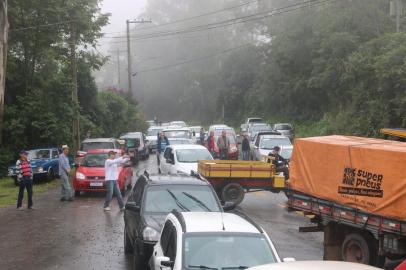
120 10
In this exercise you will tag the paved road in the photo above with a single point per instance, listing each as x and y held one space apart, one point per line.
80 235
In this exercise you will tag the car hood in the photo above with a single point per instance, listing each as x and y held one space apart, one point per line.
186 167
155 221
264 152
91 171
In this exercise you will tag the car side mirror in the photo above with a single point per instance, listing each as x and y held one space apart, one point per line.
228 206
131 206
289 259
165 261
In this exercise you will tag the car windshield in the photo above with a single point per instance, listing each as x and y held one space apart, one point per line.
178 123
269 143
178 134
260 128
165 198
154 132
86 146
283 127
192 155
231 138
94 160
248 250
286 153
38 154
195 129
255 120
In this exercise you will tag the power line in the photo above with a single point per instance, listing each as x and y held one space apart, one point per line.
252 17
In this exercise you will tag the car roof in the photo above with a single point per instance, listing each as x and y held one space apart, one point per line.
174 179
273 137
187 146
176 129
90 140
217 222
131 135
314 265
262 133
155 127
283 124
102 151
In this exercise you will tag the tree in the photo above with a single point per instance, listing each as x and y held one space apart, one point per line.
3 59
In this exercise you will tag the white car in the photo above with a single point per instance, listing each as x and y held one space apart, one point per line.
314 265
182 158
178 123
177 132
197 240
266 143
152 136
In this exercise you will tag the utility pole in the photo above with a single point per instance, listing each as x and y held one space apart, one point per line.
74 85
129 70
398 13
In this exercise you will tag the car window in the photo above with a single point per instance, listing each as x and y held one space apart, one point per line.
136 195
170 250
192 155
165 235
167 153
39 154
86 146
55 154
283 127
269 143
95 160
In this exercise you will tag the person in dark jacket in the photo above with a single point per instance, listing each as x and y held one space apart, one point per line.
201 137
245 148
279 162
161 144
24 177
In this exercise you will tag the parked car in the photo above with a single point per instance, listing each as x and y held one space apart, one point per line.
151 199
257 127
44 164
178 123
90 174
174 132
285 129
95 143
211 241
314 265
183 158
264 144
139 144
152 137
250 121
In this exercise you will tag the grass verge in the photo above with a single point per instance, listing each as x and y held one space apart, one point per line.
9 191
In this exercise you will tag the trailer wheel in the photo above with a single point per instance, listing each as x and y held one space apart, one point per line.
355 248
233 192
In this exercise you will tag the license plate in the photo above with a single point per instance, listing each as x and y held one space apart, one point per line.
96 184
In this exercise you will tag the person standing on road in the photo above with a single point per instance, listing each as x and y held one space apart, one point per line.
111 176
201 136
245 147
223 144
64 172
24 177
279 162
162 143
210 143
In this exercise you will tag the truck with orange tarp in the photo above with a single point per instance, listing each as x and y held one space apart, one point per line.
355 191
232 178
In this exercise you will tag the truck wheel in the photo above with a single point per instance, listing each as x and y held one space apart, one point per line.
355 248
233 192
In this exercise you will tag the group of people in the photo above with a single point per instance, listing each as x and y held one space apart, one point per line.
25 178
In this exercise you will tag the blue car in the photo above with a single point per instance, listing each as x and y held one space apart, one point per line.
44 164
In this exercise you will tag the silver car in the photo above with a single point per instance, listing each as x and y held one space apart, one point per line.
285 129
264 145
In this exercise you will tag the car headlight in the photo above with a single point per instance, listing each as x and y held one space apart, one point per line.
80 176
150 234
40 169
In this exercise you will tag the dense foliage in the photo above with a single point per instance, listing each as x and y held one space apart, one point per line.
39 110
336 67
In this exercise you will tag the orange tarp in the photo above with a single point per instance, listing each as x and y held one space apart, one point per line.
368 174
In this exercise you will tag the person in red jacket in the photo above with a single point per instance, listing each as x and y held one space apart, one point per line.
24 177
210 143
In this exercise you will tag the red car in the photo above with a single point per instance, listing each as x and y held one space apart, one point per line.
232 152
90 172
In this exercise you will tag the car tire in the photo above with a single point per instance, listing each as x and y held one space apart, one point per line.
138 259
128 247
355 248
50 174
232 192
77 193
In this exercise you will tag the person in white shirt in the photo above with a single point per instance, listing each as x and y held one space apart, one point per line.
111 176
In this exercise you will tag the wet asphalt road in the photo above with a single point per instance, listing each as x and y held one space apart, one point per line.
80 235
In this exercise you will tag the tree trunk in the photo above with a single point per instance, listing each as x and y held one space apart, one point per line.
3 60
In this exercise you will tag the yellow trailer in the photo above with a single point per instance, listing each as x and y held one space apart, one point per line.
232 178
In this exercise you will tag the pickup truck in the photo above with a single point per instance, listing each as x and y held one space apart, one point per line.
354 190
